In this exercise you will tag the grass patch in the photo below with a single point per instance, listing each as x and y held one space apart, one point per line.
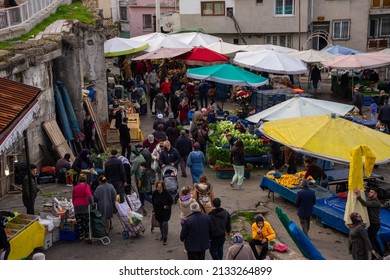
75 11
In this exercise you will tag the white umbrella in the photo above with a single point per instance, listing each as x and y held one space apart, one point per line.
312 56
196 39
300 107
252 48
121 46
225 48
358 61
160 40
271 61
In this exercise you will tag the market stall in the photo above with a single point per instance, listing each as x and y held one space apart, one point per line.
24 233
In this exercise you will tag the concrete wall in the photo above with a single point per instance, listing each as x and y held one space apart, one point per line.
357 11
70 58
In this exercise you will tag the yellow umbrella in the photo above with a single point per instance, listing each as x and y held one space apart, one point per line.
328 137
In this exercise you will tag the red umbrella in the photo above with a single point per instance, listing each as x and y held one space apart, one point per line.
203 56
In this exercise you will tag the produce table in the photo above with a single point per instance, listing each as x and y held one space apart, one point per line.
24 243
291 194
330 211
339 177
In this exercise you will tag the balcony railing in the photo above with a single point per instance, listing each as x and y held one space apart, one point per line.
14 16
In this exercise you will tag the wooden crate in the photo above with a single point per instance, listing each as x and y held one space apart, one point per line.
112 133
136 134
133 120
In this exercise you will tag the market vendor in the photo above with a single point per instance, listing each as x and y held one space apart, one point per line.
316 172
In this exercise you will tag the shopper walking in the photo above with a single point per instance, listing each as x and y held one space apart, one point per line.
162 203
306 199
105 196
237 159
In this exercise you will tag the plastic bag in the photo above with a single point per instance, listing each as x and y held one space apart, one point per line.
279 247
135 218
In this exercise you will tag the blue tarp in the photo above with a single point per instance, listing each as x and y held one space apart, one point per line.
69 108
62 115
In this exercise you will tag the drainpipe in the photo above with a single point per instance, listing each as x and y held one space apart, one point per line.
299 25
158 24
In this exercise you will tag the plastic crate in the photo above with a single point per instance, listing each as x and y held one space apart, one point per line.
68 231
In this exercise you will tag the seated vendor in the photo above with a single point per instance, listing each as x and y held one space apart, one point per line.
316 172
262 234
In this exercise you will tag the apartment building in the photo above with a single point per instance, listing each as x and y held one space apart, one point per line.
379 25
299 24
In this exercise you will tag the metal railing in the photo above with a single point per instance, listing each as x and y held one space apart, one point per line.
14 16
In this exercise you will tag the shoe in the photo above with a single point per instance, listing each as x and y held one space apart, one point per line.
231 185
144 212
164 242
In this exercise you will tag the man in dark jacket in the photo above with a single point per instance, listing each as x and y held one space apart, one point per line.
115 174
306 198
30 190
119 115
175 102
169 156
384 115
89 131
184 146
124 138
196 233
203 89
373 208
222 225
146 154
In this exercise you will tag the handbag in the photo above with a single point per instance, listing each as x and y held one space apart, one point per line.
153 222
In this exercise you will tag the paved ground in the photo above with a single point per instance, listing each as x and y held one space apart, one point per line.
147 246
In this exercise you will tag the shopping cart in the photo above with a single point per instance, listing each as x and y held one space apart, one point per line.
129 218
97 229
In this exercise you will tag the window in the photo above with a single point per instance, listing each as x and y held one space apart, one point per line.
284 7
279 40
123 13
374 26
385 26
341 29
147 21
259 1
376 3
380 3
216 8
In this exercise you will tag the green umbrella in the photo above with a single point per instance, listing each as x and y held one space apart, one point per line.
227 74
121 46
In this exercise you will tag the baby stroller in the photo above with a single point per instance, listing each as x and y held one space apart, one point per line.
169 174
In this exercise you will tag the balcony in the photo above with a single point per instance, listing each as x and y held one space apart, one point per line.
381 43
15 16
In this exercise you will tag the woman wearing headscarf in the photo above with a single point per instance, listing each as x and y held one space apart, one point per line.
359 244
239 250
105 196
82 197
162 203
196 161
184 203
81 162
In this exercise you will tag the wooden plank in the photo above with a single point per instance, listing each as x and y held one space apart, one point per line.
95 118
57 139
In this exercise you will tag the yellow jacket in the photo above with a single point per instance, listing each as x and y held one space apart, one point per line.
266 232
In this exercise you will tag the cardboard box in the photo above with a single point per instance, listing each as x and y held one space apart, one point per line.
48 242
55 234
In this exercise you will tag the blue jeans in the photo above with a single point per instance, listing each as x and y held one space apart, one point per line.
216 247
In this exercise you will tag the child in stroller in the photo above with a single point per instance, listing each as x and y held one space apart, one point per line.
169 174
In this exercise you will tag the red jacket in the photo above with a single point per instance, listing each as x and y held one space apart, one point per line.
183 111
80 194
166 87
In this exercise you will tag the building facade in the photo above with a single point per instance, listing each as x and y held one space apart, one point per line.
142 15
298 24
